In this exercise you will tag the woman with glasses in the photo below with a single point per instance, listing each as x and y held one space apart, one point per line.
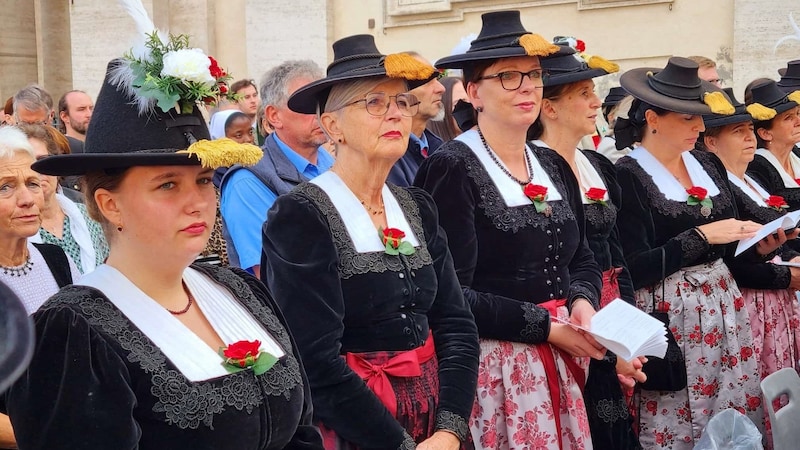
363 274
514 220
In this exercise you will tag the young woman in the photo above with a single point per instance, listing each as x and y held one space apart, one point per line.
522 260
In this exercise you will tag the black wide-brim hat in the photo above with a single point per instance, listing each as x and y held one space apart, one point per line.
719 120
16 338
357 57
122 136
567 66
676 88
615 95
790 77
502 36
768 100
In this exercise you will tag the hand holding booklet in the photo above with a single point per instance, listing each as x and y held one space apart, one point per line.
628 331
787 222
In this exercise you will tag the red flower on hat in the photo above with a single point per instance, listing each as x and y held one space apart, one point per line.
777 203
215 69
580 45
596 195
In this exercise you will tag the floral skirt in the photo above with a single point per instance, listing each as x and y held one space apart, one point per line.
711 325
514 408
775 324
610 420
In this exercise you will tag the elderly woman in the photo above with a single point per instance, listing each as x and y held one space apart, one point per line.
129 358
363 274
33 272
64 222
514 219
678 215
569 110
776 120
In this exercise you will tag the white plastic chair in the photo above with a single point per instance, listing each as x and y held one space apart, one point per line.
786 421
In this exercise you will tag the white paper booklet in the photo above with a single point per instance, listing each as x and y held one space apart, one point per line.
786 222
628 331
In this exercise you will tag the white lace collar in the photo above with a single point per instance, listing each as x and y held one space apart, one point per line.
666 182
356 219
588 177
788 179
190 354
750 188
510 191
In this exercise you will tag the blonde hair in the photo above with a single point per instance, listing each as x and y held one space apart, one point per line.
703 62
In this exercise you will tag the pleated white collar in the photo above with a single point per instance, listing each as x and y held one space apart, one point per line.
666 183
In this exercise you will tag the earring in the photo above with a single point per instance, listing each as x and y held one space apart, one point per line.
654 131
119 228
340 140
479 109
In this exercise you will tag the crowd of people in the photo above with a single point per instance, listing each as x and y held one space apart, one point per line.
395 255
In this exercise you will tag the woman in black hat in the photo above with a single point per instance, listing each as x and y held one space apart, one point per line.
678 214
776 119
514 220
147 351
769 290
362 271
569 111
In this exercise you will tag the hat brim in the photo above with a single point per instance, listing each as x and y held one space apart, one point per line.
467 59
306 99
16 338
789 88
571 77
720 120
81 164
635 82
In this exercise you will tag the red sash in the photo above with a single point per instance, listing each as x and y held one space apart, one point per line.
405 364
546 352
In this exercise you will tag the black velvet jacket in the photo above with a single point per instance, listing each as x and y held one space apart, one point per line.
770 179
337 301
97 382
509 259
648 221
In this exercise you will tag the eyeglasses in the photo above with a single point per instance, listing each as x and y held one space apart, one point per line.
377 103
511 80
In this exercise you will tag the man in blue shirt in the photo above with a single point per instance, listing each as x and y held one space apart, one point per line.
292 154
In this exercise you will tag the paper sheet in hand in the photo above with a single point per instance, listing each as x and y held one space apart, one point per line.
786 222
786 263
627 331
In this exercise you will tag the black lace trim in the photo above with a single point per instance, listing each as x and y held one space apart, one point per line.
577 291
610 411
783 276
506 218
675 208
534 316
351 262
692 246
600 217
750 210
408 442
452 422
184 403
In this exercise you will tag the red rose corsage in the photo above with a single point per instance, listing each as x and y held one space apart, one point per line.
699 196
596 195
538 195
777 203
392 238
246 354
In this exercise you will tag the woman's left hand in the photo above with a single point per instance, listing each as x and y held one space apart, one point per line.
581 315
440 440
771 243
630 372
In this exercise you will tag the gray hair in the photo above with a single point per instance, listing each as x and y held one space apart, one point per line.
33 98
343 93
12 142
274 83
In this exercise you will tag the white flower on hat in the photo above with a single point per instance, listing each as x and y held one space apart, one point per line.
188 65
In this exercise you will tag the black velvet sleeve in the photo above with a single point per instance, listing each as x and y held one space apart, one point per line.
307 435
454 332
299 265
586 280
76 392
635 223
769 178
444 176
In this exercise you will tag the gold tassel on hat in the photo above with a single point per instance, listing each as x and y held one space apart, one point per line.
598 62
795 97
224 153
536 45
761 112
403 65
718 103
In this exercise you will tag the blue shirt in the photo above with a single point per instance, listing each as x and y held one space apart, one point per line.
422 141
245 200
